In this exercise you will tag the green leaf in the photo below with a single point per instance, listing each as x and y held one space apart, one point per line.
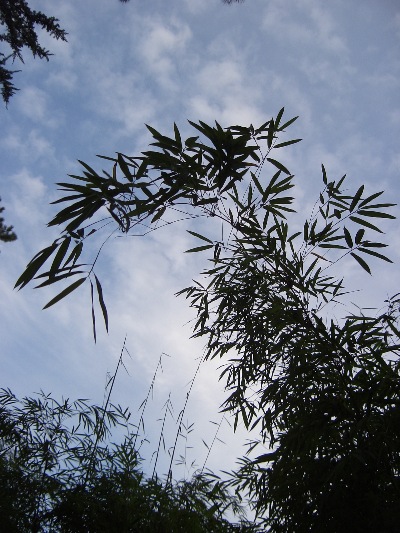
199 236
361 262
65 292
278 165
199 248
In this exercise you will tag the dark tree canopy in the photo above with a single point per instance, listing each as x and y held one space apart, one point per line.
6 232
18 22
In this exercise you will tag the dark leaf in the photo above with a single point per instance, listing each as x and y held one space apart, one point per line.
287 143
356 198
159 214
101 302
199 236
278 165
65 292
34 265
361 262
347 236
365 223
93 313
199 248
287 124
375 254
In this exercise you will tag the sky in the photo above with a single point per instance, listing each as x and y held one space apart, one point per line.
334 64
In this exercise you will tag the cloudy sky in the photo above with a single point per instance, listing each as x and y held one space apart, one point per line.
335 64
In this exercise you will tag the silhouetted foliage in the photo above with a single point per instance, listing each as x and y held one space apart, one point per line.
323 393
19 22
6 232
59 472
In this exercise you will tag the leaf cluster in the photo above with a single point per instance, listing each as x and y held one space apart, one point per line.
59 472
6 232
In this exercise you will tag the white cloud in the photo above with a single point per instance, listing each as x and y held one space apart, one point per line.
32 148
306 24
161 48
33 104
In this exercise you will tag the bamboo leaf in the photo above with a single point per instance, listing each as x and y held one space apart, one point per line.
124 167
199 236
361 262
199 248
356 198
65 292
375 214
375 254
370 198
271 131
55 279
91 171
34 265
288 123
347 236
159 213
60 254
101 301
257 183
287 143
365 223
93 313
278 165
359 236
324 176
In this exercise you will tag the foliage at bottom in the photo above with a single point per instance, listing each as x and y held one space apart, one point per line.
59 473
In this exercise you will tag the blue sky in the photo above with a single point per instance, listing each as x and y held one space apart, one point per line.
335 64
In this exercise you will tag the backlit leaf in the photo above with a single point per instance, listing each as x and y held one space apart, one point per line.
65 292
